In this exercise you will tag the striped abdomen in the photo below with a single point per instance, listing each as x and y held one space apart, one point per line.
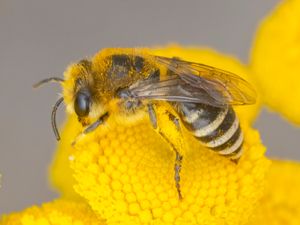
216 128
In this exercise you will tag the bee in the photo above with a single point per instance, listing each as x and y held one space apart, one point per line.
129 83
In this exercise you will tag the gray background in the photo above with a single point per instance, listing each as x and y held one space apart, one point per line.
40 38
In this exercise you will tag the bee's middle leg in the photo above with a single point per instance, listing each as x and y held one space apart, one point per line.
178 157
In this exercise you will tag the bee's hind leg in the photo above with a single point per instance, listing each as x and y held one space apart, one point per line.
91 127
177 169
178 157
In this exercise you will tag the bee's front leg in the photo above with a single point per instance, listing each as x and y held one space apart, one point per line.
94 125
178 157
91 127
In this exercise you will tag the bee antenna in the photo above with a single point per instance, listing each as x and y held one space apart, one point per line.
48 80
53 118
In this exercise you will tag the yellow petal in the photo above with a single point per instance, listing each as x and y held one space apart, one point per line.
58 212
281 202
275 60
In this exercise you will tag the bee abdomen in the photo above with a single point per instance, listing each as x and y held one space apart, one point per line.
216 128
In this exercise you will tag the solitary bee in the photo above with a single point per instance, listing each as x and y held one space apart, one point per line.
130 82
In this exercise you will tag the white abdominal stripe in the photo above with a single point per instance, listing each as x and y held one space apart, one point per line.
233 148
223 134
224 137
204 131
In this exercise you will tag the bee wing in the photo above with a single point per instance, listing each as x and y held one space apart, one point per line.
194 82
222 85
172 89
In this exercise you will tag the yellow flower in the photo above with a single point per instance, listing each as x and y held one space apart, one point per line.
275 60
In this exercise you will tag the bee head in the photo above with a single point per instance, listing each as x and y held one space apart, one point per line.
81 95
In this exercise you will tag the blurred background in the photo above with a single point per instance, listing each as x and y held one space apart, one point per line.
40 38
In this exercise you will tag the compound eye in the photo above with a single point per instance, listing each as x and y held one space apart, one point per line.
82 104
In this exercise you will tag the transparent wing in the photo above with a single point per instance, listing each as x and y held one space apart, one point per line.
233 89
172 89
194 82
